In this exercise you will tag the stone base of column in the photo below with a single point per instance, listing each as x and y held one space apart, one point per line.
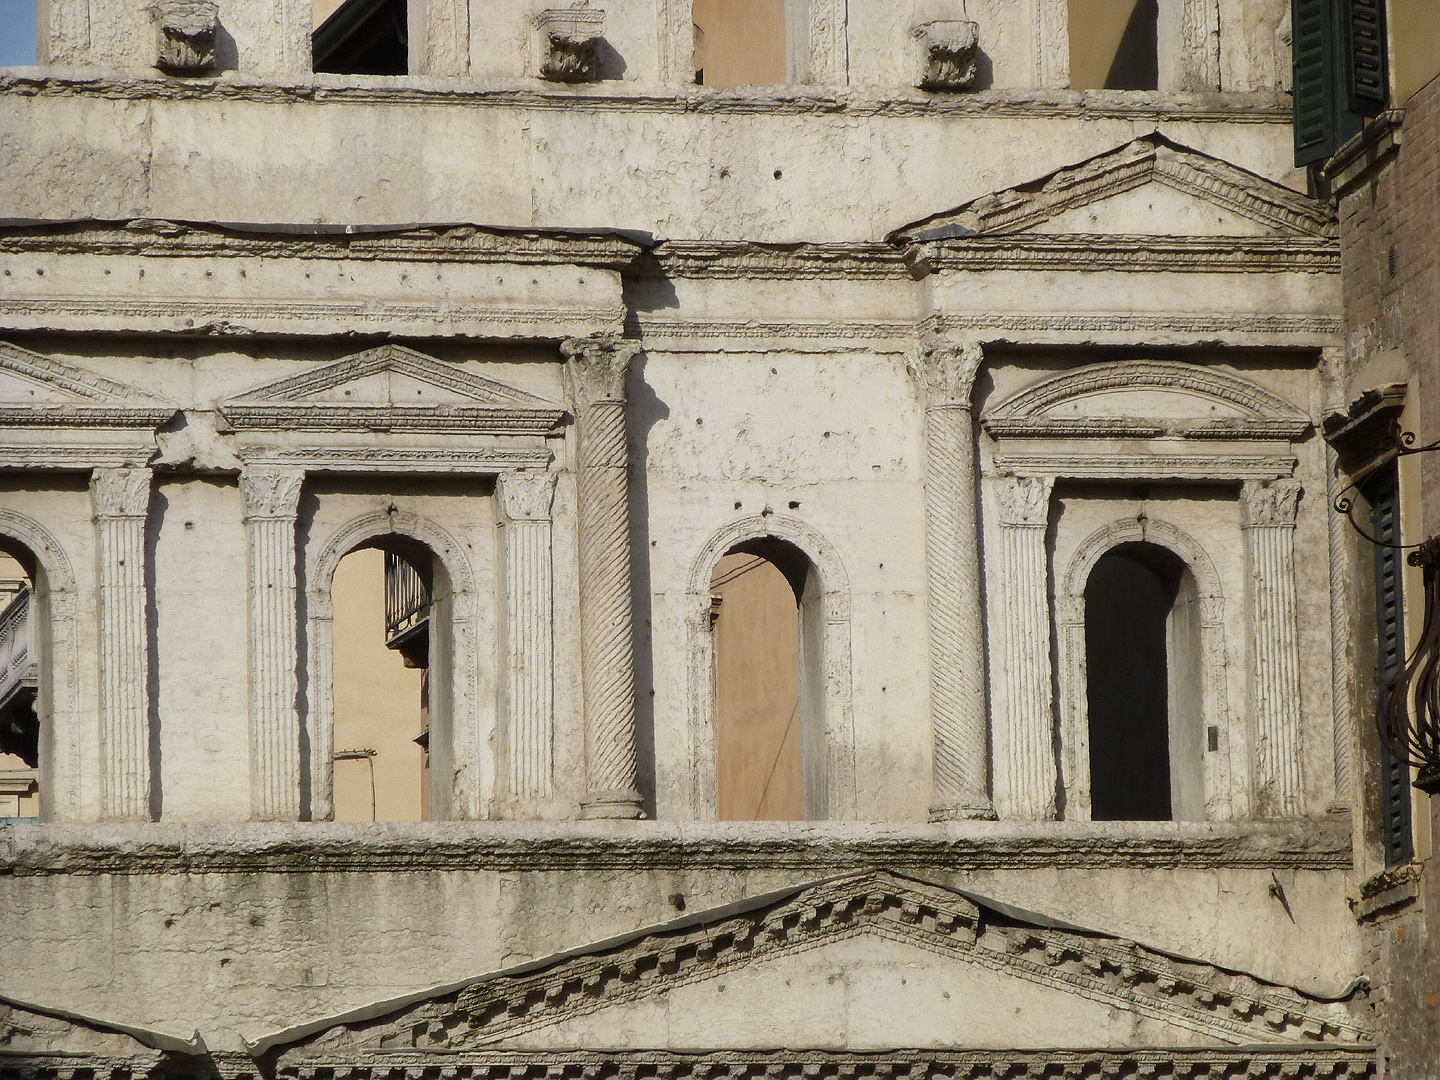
613 805
963 811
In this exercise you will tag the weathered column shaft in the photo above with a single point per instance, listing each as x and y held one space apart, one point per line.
121 498
525 500
272 498
596 371
1341 650
1024 731
1275 664
945 374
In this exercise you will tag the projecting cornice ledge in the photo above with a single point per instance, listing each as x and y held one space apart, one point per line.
608 846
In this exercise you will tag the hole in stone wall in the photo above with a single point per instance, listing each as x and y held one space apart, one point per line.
1114 44
360 37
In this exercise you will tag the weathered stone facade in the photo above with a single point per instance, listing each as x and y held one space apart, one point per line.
580 340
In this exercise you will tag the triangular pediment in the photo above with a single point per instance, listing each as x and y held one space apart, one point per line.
1149 187
38 390
40 1034
1146 399
392 388
868 961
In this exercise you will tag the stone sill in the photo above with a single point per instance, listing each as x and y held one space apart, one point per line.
1364 153
649 845
1386 894
148 84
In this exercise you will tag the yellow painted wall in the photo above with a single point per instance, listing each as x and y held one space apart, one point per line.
377 700
757 680
1414 27
740 42
1096 27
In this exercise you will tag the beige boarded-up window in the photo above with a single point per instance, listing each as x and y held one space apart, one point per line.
1114 44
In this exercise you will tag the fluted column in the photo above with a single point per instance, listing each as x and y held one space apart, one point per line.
1275 650
1341 652
120 499
595 370
525 501
945 374
272 498
1024 729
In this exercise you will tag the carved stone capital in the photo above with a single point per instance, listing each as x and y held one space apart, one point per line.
569 40
595 368
945 371
1270 505
120 493
185 35
1024 500
526 496
947 54
271 492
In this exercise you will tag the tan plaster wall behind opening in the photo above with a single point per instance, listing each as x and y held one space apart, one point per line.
740 42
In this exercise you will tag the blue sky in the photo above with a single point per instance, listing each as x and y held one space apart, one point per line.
17 32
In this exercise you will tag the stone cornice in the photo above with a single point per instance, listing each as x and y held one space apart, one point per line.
515 846
1130 253
743 259
1253 108
430 243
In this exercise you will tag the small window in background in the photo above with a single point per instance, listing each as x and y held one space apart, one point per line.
18 38
742 43
360 37
1114 45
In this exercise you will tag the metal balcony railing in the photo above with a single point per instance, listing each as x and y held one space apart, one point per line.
17 647
407 611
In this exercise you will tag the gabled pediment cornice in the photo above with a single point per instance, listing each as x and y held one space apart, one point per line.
1223 1006
66 396
468 403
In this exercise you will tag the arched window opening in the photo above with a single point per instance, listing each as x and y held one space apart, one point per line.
765 613
19 33
1114 44
361 37
751 42
1143 686
383 611
20 707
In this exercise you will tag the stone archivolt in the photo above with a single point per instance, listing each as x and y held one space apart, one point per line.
1221 1006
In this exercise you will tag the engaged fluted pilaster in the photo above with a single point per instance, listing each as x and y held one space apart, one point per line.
525 500
272 499
595 371
121 499
1024 741
945 373
1270 541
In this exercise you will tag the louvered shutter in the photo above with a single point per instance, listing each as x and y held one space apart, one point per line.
1384 496
1310 22
1367 82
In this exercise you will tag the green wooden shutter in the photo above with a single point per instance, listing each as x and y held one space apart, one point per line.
1322 119
1384 495
1367 82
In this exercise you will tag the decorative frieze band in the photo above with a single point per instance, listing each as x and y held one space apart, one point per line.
1269 524
945 373
595 371
121 498
272 498
525 502
1025 769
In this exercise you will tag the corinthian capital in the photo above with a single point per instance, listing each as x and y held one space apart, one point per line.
595 368
271 492
1270 504
1024 500
945 371
120 493
527 496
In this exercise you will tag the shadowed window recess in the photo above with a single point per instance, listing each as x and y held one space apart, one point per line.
20 687
1114 44
768 684
361 37
1143 685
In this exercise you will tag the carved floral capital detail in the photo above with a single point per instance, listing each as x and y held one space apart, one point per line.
120 492
945 371
1024 500
271 492
527 496
1270 505
595 368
